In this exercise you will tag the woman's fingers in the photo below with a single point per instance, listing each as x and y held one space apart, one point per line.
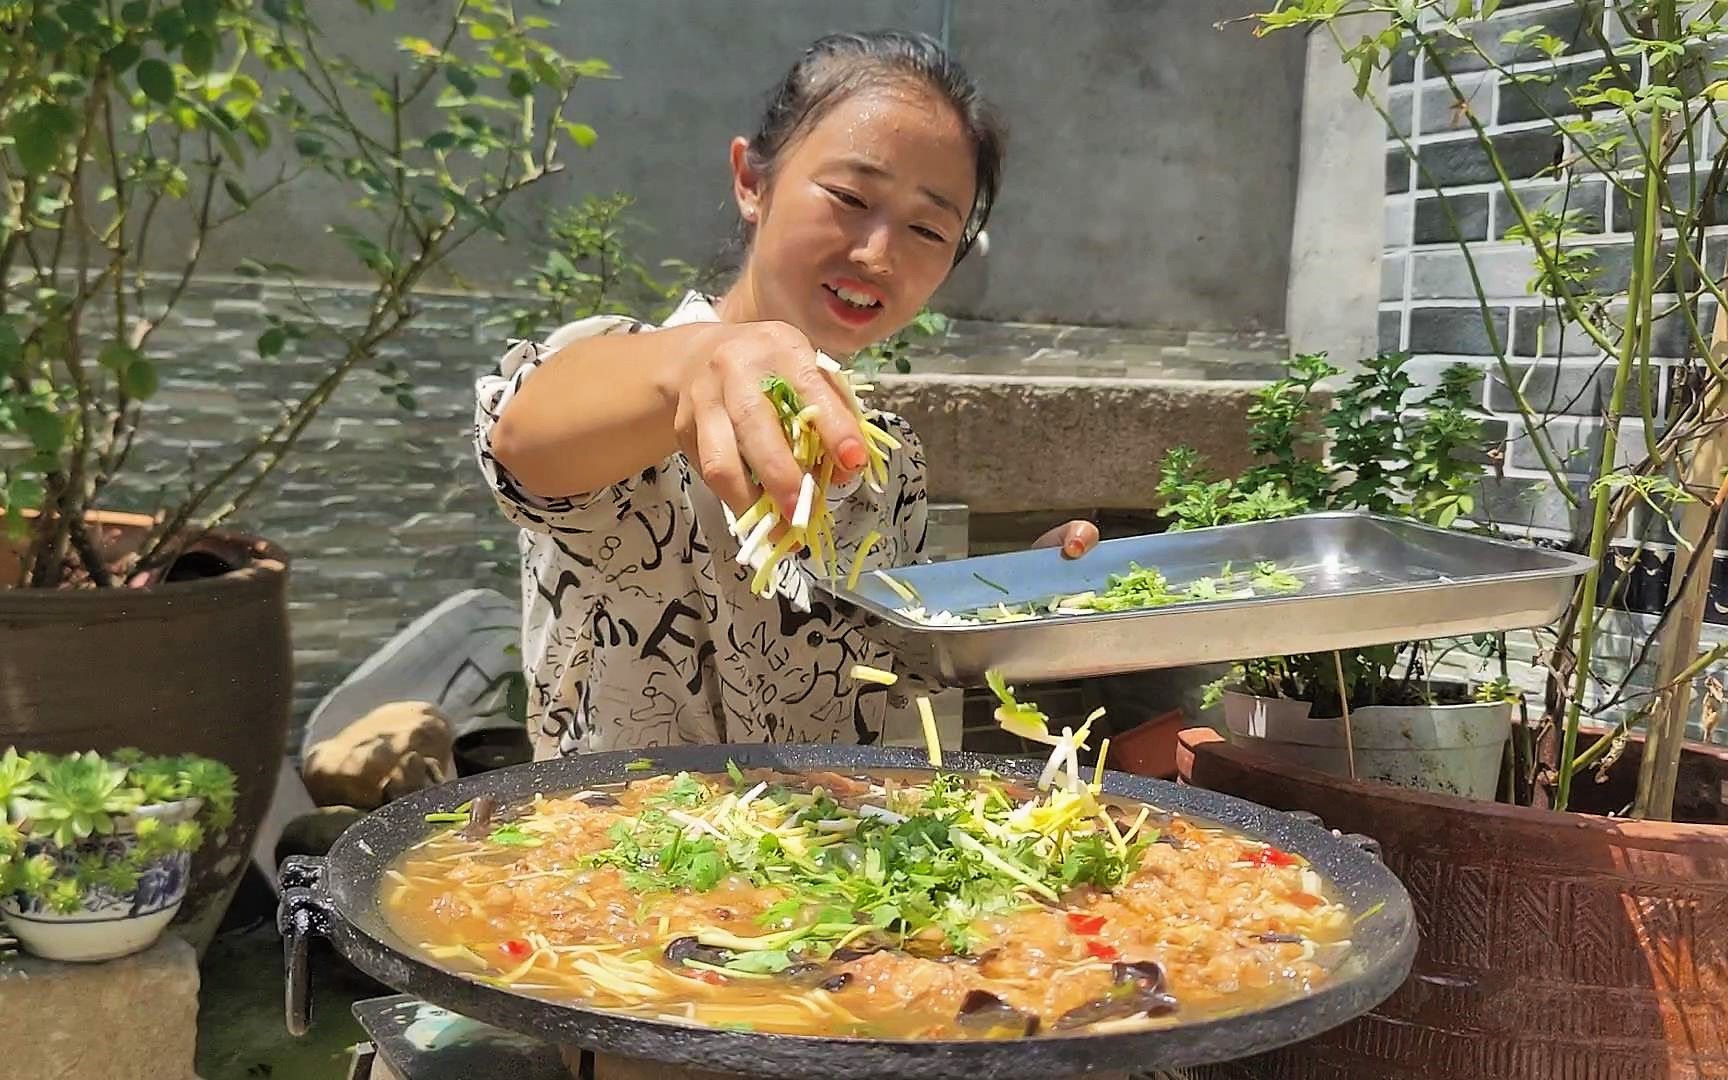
834 421
715 450
1075 538
762 440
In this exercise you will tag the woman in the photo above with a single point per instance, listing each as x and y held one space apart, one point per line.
616 445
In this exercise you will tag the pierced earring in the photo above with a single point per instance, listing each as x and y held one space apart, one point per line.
749 213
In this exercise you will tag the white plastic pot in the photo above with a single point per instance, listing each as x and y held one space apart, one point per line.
106 924
1448 749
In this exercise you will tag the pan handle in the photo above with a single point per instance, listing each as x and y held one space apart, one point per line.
1365 844
301 912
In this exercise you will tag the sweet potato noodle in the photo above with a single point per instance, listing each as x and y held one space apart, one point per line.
909 905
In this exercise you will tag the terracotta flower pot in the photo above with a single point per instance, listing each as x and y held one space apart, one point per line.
198 666
1149 749
1553 945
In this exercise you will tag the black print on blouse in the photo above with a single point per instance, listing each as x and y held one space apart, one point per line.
592 576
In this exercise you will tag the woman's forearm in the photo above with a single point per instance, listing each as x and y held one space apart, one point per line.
599 411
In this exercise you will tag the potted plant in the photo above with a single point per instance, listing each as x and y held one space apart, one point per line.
1575 929
1393 449
96 852
133 137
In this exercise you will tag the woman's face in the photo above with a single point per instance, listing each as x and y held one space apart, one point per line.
860 221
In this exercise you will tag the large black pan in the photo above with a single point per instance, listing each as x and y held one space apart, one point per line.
338 898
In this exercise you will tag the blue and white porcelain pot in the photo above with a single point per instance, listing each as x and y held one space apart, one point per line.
106 924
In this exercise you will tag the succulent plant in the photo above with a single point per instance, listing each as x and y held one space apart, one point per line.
15 772
66 799
78 795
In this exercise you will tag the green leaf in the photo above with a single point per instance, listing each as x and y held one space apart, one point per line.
441 140
198 53
270 342
135 12
201 11
511 835
760 962
581 134
37 142
461 80
47 31
520 84
157 80
45 430
171 27
121 57
236 192
309 145
10 347
139 380
116 356
407 403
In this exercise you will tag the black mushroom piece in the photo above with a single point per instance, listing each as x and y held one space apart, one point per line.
818 976
480 813
1274 938
984 1012
862 946
1138 990
600 798
684 949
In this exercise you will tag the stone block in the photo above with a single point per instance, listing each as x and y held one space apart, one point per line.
1402 67
1456 330
1462 161
1397 171
1468 221
1563 388
135 1018
1517 503
1391 331
1443 111
1567 22
1400 106
1445 275
1583 204
1538 94
1392 277
1399 213
1098 440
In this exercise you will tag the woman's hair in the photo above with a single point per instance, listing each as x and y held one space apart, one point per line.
839 65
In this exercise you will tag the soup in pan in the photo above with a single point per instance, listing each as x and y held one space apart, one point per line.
912 905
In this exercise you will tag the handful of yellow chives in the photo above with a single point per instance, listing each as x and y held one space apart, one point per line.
812 523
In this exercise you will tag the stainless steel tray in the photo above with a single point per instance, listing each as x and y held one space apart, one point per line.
1366 580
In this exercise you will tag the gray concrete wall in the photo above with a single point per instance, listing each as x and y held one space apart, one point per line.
1152 172
1151 176
1337 235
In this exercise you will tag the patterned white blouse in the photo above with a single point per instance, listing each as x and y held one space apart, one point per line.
639 626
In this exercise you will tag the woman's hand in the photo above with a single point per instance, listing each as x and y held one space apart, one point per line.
729 430
1075 538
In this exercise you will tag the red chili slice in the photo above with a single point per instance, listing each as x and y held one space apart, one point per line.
516 948
1306 900
1101 951
1271 856
712 978
1081 923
